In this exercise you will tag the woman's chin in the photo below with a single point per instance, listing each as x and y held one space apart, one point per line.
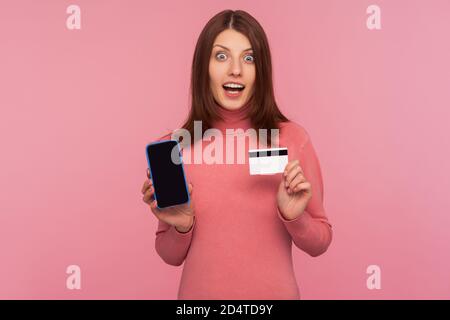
232 103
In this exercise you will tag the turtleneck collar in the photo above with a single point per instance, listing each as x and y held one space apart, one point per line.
232 119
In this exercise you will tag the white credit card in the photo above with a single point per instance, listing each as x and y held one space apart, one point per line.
267 161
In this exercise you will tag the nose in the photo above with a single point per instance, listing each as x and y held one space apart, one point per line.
235 67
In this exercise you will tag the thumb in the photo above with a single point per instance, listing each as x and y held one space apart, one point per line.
154 206
190 188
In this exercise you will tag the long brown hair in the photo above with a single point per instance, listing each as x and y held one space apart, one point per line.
264 112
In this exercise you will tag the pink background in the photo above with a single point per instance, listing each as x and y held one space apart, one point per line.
78 107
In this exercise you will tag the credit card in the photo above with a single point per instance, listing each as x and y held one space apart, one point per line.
267 161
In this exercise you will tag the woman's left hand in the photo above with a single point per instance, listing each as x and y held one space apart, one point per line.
294 191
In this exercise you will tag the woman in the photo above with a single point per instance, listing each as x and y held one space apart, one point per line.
235 236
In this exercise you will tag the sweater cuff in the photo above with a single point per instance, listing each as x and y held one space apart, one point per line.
184 234
298 225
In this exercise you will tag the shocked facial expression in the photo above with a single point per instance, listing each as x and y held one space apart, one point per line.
232 69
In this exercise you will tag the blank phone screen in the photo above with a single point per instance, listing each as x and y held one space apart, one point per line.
167 175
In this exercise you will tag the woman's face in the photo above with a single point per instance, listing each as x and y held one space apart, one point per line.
232 62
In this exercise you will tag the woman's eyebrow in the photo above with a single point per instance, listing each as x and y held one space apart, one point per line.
229 49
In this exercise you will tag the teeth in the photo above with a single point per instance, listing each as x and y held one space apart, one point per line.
233 85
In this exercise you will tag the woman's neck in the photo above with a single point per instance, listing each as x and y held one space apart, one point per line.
232 119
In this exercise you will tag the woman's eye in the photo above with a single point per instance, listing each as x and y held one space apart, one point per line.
249 56
220 54
223 56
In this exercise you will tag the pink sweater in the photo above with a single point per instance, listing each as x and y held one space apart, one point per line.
240 246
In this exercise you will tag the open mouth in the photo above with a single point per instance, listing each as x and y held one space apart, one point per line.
233 88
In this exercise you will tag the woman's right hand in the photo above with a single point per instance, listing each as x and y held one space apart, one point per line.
180 216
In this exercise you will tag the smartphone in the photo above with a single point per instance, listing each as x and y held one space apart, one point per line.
165 164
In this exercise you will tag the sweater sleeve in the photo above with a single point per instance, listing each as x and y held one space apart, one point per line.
311 231
172 245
